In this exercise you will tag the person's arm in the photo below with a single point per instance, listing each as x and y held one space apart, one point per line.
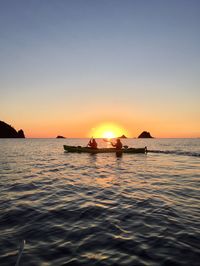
89 143
114 145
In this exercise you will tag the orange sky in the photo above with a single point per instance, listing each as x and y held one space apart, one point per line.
51 117
86 126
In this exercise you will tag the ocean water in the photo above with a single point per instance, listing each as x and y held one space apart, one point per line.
82 209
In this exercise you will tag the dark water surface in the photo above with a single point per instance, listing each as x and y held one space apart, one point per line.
82 209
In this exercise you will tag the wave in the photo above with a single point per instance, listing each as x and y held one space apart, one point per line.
185 153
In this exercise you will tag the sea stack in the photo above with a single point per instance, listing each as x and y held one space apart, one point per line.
145 134
123 137
7 131
60 137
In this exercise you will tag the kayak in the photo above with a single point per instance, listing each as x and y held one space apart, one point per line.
81 149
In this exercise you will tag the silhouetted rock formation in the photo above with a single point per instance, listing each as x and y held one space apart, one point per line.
123 137
21 134
7 131
60 137
145 134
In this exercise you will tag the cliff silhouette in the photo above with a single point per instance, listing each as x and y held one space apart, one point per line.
7 131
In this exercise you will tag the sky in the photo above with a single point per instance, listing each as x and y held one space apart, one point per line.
69 66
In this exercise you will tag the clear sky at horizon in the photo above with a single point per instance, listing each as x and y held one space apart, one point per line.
68 66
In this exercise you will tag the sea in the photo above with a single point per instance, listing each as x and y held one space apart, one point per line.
82 209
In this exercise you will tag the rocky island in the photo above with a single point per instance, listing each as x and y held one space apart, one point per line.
145 134
123 137
7 131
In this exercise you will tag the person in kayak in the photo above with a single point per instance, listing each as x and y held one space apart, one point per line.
92 144
118 145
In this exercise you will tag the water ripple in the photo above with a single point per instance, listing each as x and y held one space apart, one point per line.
98 210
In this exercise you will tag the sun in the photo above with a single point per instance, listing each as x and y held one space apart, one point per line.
108 135
108 131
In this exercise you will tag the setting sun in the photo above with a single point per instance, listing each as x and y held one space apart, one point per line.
108 130
108 135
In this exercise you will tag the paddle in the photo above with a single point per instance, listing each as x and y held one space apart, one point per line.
21 248
106 140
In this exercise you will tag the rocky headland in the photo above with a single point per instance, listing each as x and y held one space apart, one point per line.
7 131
